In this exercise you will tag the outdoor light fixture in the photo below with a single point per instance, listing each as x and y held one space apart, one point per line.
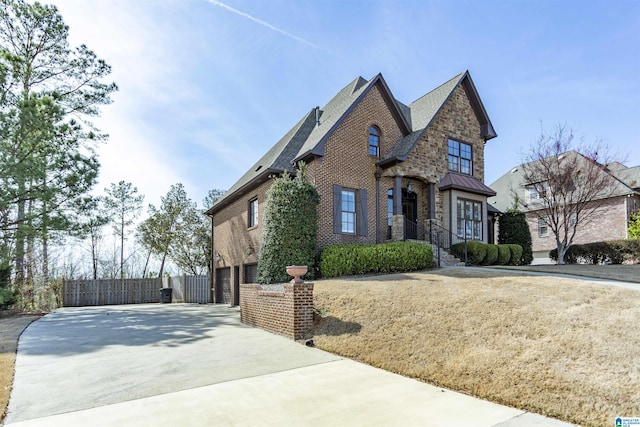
410 187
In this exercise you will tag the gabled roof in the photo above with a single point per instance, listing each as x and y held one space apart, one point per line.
629 176
307 138
513 180
276 160
424 109
336 110
457 181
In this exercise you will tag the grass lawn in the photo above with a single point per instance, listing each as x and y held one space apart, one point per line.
11 326
623 272
557 347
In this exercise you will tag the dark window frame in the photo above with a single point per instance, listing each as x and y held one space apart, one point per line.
360 225
469 224
374 141
460 156
253 213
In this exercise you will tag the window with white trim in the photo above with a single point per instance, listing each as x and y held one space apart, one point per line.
349 211
543 227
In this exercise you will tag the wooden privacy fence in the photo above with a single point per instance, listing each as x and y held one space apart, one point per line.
189 289
78 293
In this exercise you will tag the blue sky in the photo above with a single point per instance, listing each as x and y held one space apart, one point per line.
207 87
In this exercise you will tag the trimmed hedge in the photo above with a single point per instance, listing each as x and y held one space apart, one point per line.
612 251
516 254
492 255
513 229
479 253
345 260
504 254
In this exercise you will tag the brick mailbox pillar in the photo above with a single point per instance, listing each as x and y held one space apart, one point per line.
287 312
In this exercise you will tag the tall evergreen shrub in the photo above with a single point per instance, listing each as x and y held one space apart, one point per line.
513 229
290 228
8 296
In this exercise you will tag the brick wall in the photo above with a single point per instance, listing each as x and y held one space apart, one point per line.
288 313
347 163
609 223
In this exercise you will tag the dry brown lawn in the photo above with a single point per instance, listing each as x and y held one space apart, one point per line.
11 326
557 347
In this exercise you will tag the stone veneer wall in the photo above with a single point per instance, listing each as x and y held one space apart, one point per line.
288 312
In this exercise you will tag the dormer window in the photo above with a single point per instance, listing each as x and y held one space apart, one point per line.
460 157
374 141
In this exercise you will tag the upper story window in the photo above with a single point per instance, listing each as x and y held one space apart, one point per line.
374 141
460 157
535 192
253 212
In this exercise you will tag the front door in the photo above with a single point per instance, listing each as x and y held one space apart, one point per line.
410 212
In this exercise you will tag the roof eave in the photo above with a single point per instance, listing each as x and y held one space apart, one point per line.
250 185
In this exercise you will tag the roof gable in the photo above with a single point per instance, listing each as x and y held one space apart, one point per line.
424 110
339 108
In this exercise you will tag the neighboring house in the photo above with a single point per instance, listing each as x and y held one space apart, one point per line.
611 211
384 171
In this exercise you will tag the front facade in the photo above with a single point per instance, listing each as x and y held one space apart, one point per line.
384 171
610 214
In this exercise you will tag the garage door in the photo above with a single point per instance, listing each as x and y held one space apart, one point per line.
223 285
250 273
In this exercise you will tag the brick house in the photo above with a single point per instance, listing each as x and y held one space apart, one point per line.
611 211
384 171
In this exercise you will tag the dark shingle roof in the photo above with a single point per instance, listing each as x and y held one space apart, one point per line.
456 181
308 136
512 183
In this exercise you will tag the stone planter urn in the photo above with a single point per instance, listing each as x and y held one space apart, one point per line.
297 271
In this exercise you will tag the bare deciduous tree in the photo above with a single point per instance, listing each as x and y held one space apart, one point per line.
566 183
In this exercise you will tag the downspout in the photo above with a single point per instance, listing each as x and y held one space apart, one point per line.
212 284
378 174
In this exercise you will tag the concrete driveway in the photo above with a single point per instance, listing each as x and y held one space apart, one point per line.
193 365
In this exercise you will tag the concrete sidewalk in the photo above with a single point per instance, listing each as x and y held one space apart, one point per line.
193 365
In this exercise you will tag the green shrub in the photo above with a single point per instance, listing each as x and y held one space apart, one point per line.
516 254
343 260
290 228
492 255
612 251
476 252
504 254
513 229
8 296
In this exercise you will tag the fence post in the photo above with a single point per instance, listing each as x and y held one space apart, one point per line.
186 288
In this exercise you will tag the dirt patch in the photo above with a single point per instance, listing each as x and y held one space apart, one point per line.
558 347
11 326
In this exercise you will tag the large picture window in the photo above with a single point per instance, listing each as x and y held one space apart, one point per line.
469 215
460 157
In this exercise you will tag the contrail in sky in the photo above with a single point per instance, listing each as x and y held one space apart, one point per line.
263 23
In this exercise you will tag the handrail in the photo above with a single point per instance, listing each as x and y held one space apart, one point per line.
437 235
446 238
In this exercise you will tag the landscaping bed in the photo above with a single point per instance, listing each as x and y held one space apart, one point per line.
557 347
